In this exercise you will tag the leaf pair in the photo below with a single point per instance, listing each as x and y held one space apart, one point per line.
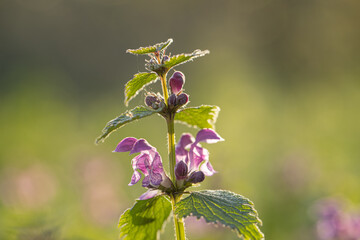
141 80
146 217
202 117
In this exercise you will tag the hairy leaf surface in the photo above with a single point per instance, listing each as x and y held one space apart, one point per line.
145 219
129 116
150 49
224 207
183 58
135 85
202 117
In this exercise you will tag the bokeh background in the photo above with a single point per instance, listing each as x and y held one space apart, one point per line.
284 72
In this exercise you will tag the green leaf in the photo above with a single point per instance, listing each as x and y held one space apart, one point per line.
224 207
183 58
145 219
129 116
150 49
202 117
135 85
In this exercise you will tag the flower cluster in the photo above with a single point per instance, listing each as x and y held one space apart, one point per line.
192 162
177 98
335 223
148 162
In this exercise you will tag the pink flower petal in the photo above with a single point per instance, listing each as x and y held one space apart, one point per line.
149 194
135 178
208 135
140 146
125 145
185 140
207 169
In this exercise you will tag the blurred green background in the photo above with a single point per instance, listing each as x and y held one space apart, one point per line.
284 72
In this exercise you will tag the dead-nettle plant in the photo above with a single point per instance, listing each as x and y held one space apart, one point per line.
188 160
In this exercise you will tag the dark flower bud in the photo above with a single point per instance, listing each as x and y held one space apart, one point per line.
176 82
181 170
172 100
197 177
165 58
182 99
154 101
150 101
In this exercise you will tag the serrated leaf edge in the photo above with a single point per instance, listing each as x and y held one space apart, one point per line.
156 46
211 121
195 54
158 231
101 138
126 101
251 205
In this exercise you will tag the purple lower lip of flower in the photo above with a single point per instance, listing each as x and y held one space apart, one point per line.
197 156
207 169
149 194
156 165
155 179
125 145
135 178
146 181
142 162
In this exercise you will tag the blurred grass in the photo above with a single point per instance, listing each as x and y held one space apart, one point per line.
284 73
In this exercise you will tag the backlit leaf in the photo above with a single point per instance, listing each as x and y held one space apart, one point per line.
223 207
202 117
129 116
150 49
183 58
135 85
145 219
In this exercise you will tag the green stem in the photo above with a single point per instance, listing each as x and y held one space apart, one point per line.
171 145
178 222
164 87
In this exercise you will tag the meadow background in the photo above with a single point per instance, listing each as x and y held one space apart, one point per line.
284 72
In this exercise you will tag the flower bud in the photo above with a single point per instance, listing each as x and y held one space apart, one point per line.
165 58
149 100
182 99
172 100
154 101
197 177
176 82
181 170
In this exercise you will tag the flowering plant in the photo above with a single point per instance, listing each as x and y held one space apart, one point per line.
188 160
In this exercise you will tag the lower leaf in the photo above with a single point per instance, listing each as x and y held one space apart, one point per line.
145 219
224 207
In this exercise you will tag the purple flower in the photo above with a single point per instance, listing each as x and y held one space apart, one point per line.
148 162
189 151
192 161
149 194
335 223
